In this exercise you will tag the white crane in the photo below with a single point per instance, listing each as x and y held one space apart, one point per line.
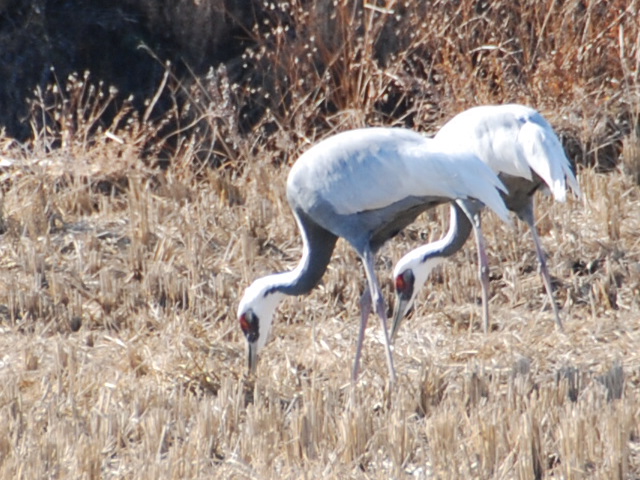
521 147
364 186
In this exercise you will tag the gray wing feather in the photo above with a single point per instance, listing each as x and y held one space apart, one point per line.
372 168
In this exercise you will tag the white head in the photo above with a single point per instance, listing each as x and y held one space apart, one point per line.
409 275
255 315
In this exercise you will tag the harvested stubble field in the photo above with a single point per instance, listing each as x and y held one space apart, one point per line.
120 356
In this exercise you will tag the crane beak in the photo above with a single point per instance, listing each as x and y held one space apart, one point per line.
399 311
252 357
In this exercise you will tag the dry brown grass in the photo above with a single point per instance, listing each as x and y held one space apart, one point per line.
120 356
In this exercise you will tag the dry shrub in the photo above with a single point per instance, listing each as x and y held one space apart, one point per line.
416 62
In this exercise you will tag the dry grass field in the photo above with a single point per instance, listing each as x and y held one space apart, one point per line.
120 355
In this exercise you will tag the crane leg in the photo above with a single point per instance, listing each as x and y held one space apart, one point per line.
378 301
472 210
365 309
544 272
483 270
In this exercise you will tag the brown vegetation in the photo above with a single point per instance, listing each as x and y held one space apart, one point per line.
130 232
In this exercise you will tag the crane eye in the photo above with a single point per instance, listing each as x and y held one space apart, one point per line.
249 325
400 283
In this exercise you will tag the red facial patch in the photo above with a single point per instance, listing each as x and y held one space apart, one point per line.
400 283
244 324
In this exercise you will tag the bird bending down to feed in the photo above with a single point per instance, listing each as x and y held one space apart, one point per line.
364 186
521 147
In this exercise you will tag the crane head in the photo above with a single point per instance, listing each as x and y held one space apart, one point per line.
255 316
410 274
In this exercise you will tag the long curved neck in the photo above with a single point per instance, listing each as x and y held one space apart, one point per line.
318 245
459 230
